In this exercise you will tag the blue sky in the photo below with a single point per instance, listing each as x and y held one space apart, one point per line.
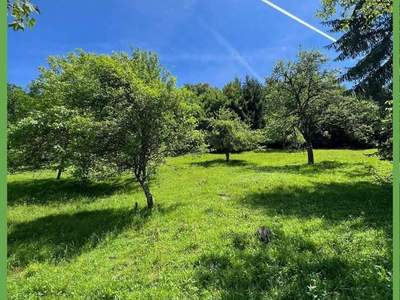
197 40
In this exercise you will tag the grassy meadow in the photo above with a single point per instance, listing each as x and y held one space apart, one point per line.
331 226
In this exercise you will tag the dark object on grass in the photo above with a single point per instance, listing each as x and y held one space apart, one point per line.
136 206
264 234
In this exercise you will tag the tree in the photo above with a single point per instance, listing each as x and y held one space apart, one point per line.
277 133
228 134
299 93
63 123
132 98
188 138
19 103
105 114
349 122
233 92
40 140
346 122
246 100
56 138
253 102
385 140
367 35
142 114
210 98
21 12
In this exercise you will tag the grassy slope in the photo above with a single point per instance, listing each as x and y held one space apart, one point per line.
332 226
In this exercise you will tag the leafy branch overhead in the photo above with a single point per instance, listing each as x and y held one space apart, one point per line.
22 12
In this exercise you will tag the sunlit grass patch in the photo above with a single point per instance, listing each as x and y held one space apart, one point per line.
331 226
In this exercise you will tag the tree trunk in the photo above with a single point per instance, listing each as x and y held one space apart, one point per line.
147 193
310 154
227 156
59 173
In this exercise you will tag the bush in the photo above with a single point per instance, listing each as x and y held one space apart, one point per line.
228 134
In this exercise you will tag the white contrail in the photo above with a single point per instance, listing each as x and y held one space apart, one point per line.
298 20
232 50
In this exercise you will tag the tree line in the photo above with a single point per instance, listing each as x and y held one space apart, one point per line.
366 29
102 115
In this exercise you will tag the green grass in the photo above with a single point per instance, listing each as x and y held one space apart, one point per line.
331 225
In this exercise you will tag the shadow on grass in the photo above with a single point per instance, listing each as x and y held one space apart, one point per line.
46 191
350 169
334 202
359 169
290 269
295 266
221 163
60 237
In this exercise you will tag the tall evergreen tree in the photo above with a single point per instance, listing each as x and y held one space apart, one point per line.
233 91
367 36
246 100
253 102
